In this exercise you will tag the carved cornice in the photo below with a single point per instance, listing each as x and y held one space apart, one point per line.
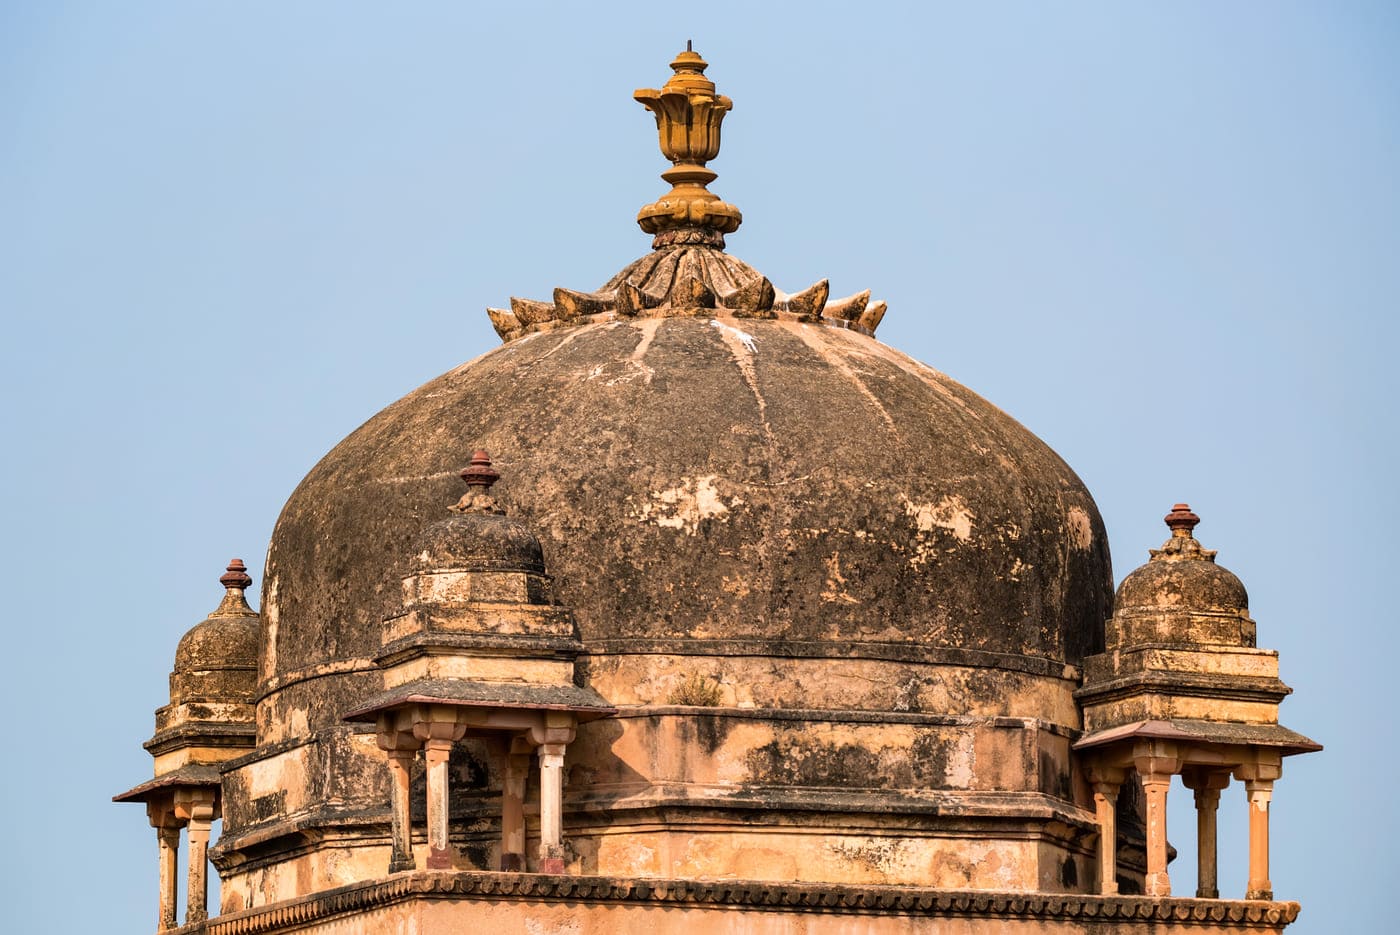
746 894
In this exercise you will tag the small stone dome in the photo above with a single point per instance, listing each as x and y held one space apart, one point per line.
217 659
1183 576
480 537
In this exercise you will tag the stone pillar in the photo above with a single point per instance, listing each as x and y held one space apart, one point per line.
198 806
551 756
1156 762
436 752
401 746
1259 792
1258 777
162 816
438 729
169 875
401 772
197 886
1106 782
1206 785
517 773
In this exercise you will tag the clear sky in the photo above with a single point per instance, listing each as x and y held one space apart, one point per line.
1164 237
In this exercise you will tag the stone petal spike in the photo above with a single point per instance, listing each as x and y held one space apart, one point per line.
505 322
808 303
872 316
692 293
847 309
571 304
630 300
531 312
754 300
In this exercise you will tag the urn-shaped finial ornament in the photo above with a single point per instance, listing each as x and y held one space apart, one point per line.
479 475
688 117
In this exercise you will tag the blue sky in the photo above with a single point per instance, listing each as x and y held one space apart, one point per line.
1164 237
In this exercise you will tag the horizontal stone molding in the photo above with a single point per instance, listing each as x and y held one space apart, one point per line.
847 716
824 649
746 894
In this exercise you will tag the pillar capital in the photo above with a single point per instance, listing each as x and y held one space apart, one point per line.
1204 779
1265 770
441 729
553 735
161 814
393 737
196 803
1105 780
1156 760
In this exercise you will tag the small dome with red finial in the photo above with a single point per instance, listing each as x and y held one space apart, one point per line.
478 536
217 659
1182 576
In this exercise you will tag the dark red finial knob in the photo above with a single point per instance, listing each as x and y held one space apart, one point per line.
1181 520
237 575
480 473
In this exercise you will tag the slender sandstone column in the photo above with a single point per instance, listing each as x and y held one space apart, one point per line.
517 774
401 771
1156 762
1207 805
436 751
551 757
1106 810
1155 787
196 886
1206 786
169 837
1260 792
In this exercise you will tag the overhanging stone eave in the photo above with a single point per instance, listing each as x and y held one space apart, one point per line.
202 734
438 643
189 775
1199 731
1185 684
584 703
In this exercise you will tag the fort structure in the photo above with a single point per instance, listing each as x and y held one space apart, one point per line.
744 622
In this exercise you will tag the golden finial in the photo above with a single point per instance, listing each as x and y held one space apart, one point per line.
688 114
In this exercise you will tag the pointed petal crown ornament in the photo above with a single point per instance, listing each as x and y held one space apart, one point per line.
688 274
688 117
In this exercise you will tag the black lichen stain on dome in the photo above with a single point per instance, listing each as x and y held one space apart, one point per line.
478 542
697 479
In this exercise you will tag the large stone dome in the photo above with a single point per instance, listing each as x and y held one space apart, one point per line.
835 601
777 486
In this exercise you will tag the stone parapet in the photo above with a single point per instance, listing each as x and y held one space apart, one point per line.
429 902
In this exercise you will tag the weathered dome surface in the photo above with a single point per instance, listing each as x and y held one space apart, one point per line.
1196 586
478 542
219 642
693 479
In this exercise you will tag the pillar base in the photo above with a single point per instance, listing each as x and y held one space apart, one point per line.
401 864
551 865
1267 895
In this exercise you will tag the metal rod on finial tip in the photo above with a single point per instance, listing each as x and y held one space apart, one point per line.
687 46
